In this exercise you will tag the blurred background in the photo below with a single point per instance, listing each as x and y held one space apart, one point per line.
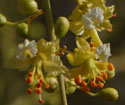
12 83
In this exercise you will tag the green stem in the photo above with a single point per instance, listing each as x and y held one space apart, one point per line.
28 19
49 18
62 89
95 37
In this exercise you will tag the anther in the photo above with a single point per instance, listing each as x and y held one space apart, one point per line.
29 91
98 78
93 84
41 101
104 75
91 44
83 83
110 66
85 89
29 80
78 80
39 85
30 74
109 30
114 15
100 85
38 90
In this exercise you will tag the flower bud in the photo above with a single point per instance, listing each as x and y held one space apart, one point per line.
110 74
22 29
109 94
52 84
61 27
70 90
2 20
27 6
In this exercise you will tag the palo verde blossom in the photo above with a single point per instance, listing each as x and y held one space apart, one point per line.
90 14
87 70
38 58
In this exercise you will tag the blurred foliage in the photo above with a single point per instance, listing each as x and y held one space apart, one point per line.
12 82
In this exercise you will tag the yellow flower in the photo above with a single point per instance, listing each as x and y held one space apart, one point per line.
90 14
85 64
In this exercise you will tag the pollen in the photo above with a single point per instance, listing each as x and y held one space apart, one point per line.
29 80
83 83
38 90
85 89
91 44
104 75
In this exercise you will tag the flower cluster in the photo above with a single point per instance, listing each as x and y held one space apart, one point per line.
89 60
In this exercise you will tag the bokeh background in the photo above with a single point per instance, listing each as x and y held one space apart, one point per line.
12 83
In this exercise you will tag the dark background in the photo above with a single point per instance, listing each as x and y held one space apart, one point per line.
12 82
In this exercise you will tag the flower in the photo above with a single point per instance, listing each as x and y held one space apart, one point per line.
25 50
92 71
103 52
93 18
90 14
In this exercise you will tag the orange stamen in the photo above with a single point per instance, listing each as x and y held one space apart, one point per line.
38 90
85 89
104 75
114 15
83 83
29 91
98 78
91 44
109 30
78 80
100 85
29 80
30 74
47 86
110 66
41 101
93 84
39 85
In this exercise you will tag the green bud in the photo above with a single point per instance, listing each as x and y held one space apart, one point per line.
27 6
109 94
111 74
2 20
52 82
22 29
70 90
61 27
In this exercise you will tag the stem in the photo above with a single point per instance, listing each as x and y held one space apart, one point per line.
62 89
28 19
49 18
95 37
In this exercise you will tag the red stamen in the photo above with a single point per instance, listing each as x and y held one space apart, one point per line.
47 86
100 85
38 90
93 84
110 66
78 80
29 91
